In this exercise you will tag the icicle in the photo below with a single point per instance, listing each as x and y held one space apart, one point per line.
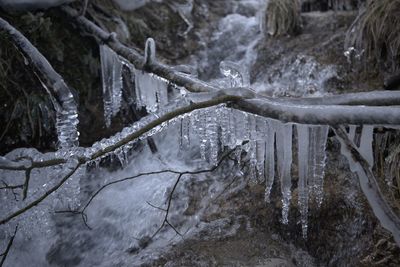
185 133
111 69
317 160
66 115
212 136
232 129
239 77
260 147
303 156
252 147
199 124
151 91
269 158
224 115
240 126
162 92
284 156
67 124
367 137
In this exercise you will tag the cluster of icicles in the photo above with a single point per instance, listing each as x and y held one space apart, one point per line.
263 140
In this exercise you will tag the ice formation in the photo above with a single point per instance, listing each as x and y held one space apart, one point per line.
111 72
238 76
363 141
263 140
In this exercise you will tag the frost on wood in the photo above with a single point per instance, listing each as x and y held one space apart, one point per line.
111 72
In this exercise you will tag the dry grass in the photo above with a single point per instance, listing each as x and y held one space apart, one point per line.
282 17
375 33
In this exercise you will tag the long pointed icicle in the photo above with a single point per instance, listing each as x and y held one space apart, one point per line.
260 147
185 133
284 156
303 156
317 161
111 70
269 158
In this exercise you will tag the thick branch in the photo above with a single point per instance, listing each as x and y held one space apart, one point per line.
373 98
319 114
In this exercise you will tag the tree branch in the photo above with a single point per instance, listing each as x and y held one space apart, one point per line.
369 185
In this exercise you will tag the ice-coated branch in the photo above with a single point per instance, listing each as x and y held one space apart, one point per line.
41 198
190 83
59 92
369 185
321 114
372 98
375 98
